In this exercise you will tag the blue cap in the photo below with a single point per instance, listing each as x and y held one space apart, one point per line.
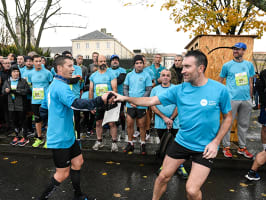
240 45
114 56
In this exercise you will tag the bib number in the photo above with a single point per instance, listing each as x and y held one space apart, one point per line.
101 89
38 93
241 79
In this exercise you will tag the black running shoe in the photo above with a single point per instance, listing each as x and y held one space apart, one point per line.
129 148
143 149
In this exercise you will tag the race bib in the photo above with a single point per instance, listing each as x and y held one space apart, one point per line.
13 87
101 89
241 79
71 87
38 93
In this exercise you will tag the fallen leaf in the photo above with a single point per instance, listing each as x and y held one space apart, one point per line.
117 195
235 156
252 140
243 184
130 152
141 165
127 189
263 194
144 176
109 162
209 182
14 162
117 163
5 158
231 190
104 173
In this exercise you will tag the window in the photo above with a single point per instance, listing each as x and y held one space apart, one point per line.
77 45
87 56
108 45
98 45
87 45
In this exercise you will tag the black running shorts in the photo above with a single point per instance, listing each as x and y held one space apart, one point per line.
135 112
36 111
62 157
177 151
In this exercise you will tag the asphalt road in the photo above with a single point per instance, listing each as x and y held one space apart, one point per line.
24 177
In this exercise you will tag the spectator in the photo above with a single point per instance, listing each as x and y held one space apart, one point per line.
156 67
176 70
255 92
45 64
94 65
79 60
12 58
20 63
102 81
17 89
238 73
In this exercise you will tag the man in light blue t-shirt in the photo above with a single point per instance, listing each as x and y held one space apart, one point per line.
238 74
57 106
137 84
156 68
199 101
101 81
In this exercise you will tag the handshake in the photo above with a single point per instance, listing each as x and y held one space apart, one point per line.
110 99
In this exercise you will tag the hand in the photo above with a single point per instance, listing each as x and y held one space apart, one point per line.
108 96
133 105
168 122
7 90
93 112
119 97
210 151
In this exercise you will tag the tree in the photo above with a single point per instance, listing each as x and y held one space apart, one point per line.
261 4
230 17
40 11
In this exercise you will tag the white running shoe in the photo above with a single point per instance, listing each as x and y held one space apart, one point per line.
97 145
114 147
147 136
136 134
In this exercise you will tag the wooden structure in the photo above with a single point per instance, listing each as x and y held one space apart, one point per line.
218 57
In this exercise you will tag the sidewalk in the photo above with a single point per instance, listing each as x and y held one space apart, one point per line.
237 162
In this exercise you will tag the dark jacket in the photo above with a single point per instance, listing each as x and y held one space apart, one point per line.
176 76
20 94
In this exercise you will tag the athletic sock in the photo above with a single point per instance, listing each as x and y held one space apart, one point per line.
114 141
75 178
100 140
40 137
131 142
142 142
50 189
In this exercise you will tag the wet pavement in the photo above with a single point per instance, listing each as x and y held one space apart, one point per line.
24 177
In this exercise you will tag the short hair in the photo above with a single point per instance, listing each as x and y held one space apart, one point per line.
64 53
36 56
201 58
32 53
95 53
60 60
27 58
79 55
180 56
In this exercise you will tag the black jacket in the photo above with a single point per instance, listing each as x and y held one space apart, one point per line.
20 94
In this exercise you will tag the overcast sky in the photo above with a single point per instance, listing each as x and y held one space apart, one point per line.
137 27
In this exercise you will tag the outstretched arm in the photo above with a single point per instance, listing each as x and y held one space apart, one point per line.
139 101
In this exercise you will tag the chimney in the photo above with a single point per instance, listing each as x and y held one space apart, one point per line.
103 30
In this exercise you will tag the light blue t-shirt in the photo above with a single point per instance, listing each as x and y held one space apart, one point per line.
53 71
101 82
150 72
85 95
77 86
156 71
21 69
166 110
137 83
58 101
40 81
237 76
117 72
198 112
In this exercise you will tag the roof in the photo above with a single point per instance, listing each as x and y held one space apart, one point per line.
198 36
95 35
57 49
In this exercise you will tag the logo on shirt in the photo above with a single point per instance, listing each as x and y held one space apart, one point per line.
203 102
141 79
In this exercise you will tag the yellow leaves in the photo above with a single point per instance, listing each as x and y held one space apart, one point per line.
232 190
109 162
144 177
13 162
141 165
127 4
5 158
243 185
263 194
127 189
104 173
117 195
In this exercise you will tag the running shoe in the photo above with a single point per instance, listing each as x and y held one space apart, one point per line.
23 141
114 147
147 136
252 176
97 145
244 152
129 148
143 149
182 172
227 152
37 142
45 145
14 141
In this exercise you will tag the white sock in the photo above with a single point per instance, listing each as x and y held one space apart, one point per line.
264 146
131 142
142 142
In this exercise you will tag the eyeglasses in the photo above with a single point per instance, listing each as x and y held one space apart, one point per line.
178 60
6 63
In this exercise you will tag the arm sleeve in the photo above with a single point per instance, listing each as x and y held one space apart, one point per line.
147 91
74 80
223 72
126 90
83 104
